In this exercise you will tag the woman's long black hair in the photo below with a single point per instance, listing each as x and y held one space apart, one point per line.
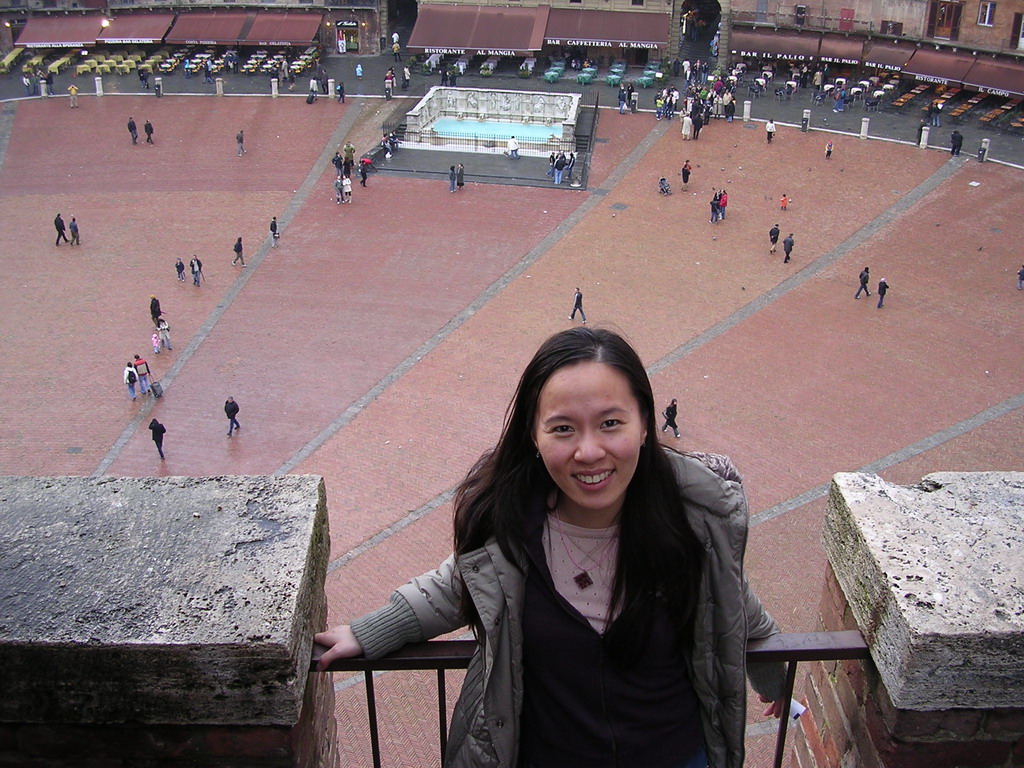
659 557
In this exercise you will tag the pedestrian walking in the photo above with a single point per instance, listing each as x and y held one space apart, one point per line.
339 91
196 268
784 202
622 100
451 178
883 288
577 306
828 149
73 93
723 203
359 70
396 50
670 417
1020 278
698 123
142 371
956 142
58 224
231 411
131 378
787 246
179 267
460 177
238 253
158 430
687 169
346 189
337 191
240 141
769 129
865 276
274 234
147 128
362 173
154 309
406 78
73 229
164 330
559 167
773 237
133 130
155 341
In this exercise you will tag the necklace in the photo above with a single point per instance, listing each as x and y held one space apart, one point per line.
582 579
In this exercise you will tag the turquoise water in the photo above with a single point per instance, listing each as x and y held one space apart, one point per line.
493 128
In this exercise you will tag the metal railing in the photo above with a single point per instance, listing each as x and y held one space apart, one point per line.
816 23
442 655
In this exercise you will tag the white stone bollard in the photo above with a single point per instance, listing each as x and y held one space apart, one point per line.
220 86
924 136
746 111
274 87
865 122
330 88
99 85
983 151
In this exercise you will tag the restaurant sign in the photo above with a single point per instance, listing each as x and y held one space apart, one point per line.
601 43
838 60
995 91
445 51
930 79
876 65
780 56
348 24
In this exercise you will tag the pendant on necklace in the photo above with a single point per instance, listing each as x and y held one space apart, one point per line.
583 580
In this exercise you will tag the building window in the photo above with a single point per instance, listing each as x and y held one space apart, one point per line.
638 2
987 14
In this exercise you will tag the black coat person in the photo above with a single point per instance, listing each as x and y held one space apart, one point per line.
158 431
956 141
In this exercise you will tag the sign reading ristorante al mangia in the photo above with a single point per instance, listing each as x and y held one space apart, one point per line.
601 43
475 51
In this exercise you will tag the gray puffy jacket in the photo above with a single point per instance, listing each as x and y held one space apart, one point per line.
485 723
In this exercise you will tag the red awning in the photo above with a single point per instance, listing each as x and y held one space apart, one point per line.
882 54
60 31
213 28
941 66
840 49
288 28
138 28
773 44
606 29
478 30
998 76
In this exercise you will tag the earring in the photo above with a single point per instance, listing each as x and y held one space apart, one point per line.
538 454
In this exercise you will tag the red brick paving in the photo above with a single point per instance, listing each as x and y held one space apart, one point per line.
813 384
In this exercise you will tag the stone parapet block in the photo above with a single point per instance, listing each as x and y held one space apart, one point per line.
160 601
934 578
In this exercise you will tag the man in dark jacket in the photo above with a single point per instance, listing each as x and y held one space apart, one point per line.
787 246
158 431
154 309
773 237
58 224
133 130
231 411
883 288
865 275
956 141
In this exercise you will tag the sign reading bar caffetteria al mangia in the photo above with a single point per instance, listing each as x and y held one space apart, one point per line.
601 43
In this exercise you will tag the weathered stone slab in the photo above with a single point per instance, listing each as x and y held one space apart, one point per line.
170 600
934 575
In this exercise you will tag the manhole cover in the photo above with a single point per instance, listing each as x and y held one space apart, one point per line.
619 206
74 449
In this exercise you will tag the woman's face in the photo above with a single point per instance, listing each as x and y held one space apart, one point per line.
589 432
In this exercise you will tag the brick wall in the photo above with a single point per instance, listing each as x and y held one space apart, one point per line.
851 723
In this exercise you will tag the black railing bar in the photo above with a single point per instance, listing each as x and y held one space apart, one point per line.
371 710
455 654
780 739
442 713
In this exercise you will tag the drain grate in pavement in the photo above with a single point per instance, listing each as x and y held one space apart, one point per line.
601 141
74 449
618 206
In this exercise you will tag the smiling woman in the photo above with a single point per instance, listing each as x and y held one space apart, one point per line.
602 574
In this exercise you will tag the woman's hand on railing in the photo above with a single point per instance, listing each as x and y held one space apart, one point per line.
774 708
341 644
